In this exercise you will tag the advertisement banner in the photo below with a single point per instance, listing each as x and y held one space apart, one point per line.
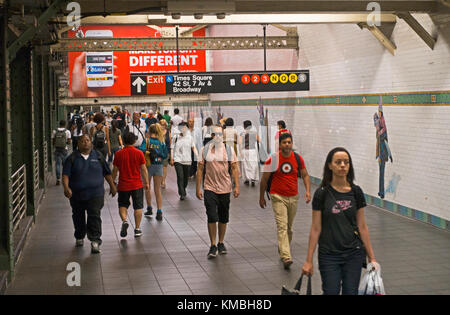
94 74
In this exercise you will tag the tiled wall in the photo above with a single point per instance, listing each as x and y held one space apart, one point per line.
416 182
349 70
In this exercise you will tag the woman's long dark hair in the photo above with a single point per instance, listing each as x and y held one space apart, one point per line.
114 125
79 123
328 174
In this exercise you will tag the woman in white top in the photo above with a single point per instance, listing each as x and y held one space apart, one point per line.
249 142
180 157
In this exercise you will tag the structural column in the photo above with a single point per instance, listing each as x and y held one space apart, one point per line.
6 229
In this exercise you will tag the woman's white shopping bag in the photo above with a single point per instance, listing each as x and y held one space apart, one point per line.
371 282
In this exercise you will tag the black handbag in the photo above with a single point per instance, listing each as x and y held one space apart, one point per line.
296 290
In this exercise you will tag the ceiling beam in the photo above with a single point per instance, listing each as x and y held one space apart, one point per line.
382 38
184 43
418 28
31 32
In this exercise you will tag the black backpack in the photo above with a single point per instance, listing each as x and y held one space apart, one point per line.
60 139
99 139
269 181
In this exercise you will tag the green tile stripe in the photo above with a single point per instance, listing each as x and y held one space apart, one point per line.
401 210
413 98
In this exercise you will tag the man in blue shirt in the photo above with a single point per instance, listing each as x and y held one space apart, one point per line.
83 180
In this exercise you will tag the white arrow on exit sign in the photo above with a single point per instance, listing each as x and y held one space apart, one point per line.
139 83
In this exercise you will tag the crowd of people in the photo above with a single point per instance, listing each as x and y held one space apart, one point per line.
131 151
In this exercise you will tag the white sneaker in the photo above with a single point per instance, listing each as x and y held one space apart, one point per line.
79 243
95 248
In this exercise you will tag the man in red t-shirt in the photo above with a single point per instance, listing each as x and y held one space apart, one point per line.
283 167
130 163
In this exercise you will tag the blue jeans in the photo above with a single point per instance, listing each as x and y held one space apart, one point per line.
60 157
341 270
113 151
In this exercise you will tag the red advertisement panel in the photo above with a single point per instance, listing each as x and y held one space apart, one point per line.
94 74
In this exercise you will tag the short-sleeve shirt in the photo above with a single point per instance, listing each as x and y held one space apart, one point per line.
338 218
284 179
182 147
129 161
86 176
217 176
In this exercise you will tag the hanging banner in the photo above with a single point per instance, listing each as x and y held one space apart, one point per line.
94 74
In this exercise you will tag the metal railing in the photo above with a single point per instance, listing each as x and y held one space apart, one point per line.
19 195
45 158
36 170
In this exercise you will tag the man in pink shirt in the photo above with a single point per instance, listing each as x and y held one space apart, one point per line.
215 161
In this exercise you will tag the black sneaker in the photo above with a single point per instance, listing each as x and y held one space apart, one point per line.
222 249
123 231
182 197
159 216
137 232
253 184
212 252
246 182
79 242
149 211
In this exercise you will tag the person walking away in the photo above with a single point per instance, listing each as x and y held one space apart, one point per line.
100 136
215 161
282 170
115 139
138 128
154 156
151 119
206 131
130 164
83 179
77 132
192 133
230 134
166 116
175 121
61 138
167 141
249 142
121 119
339 227
181 157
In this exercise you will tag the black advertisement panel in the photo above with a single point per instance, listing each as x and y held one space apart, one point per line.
219 82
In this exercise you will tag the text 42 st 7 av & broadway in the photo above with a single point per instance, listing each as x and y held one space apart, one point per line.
225 305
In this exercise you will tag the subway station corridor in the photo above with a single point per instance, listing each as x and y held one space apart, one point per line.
170 256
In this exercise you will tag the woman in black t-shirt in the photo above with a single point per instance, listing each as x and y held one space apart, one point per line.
339 227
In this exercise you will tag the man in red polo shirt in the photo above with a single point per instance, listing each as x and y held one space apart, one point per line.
130 163
283 167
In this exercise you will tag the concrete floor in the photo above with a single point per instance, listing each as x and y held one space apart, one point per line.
170 257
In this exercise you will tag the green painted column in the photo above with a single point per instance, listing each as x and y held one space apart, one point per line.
6 233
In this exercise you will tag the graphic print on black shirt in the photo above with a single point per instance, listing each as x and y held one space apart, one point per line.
338 218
